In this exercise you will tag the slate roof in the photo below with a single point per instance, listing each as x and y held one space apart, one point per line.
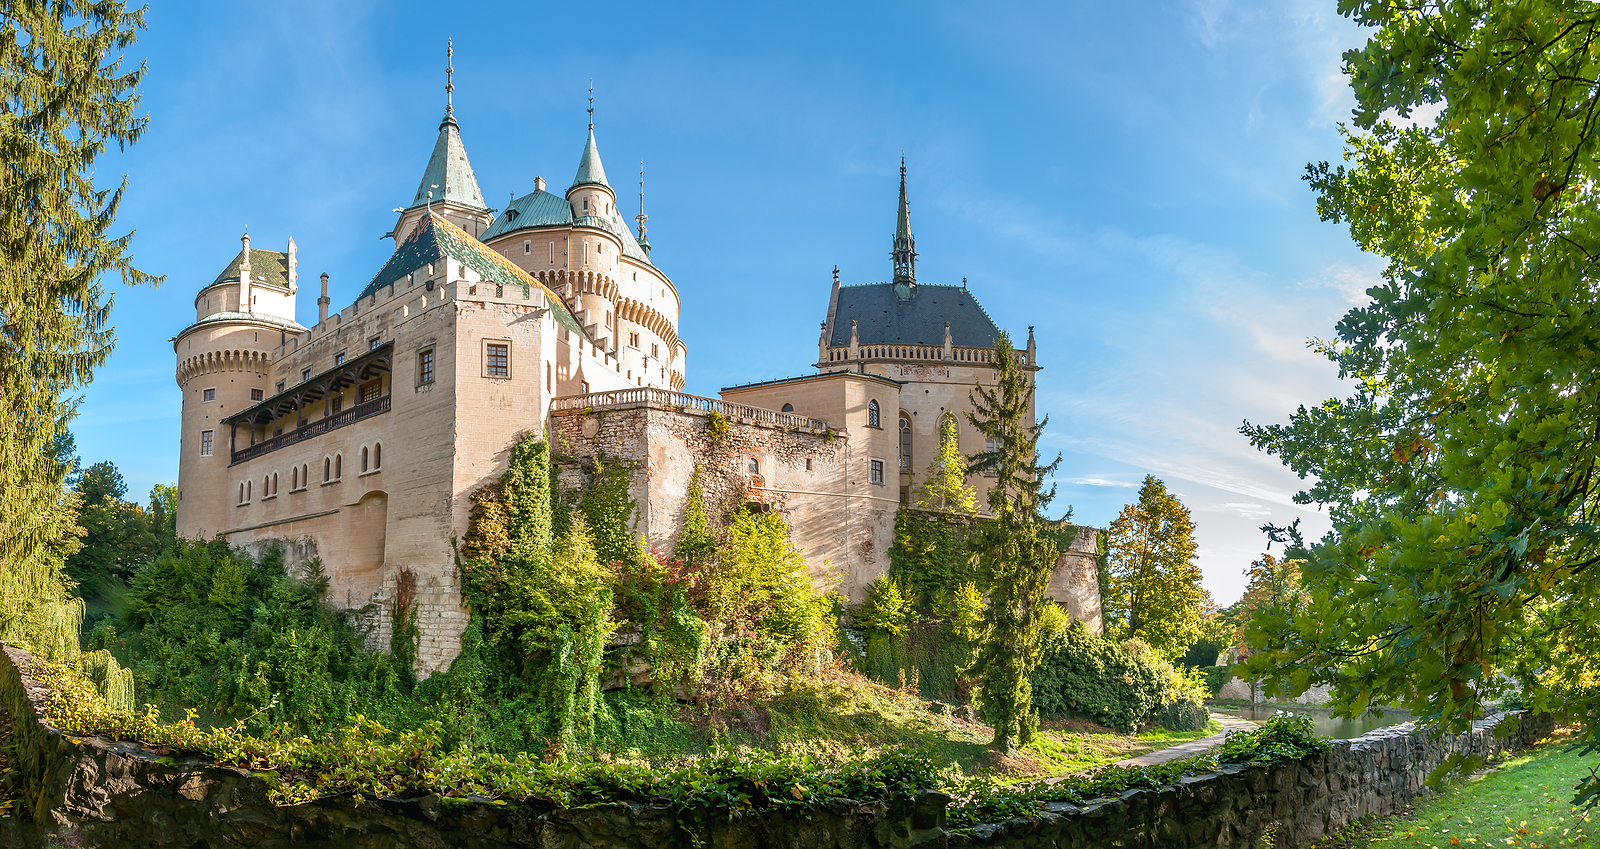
267 267
449 169
882 318
590 171
435 238
543 209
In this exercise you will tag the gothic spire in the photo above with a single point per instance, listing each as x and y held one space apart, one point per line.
589 168
905 246
449 177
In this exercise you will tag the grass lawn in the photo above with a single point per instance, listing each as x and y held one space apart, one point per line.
839 714
1522 803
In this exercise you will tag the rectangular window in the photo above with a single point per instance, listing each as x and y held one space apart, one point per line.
257 394
655 350
527 246
633 340
497 359
208 394
337 403
280 387
583 387
425 366
877 471
552 253
374 342
370 390
338 359
206 439
305 374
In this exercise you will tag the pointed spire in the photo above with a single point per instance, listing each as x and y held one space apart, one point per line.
449 175
641 217
905 246
590 171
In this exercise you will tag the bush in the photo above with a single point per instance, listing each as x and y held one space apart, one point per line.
1283 737
1081 674
1216 678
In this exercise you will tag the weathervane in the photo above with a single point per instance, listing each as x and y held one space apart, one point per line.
449 72
641 217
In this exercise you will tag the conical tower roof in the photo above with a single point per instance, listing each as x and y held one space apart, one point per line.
590 171
449 174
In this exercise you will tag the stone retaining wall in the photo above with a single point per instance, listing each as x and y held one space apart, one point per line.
90 792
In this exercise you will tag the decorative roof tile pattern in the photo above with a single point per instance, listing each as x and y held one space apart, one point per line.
449 169
435 238
266 267
883 318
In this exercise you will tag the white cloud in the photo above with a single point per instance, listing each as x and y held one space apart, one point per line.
1102 482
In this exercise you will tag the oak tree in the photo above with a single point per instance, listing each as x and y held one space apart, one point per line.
1154 580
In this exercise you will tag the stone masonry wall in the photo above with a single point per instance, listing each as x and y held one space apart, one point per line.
92 792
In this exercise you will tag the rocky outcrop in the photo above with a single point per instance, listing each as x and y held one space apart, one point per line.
92 792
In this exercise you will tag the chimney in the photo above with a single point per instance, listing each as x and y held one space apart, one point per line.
323 302
292 286
244 276
538 184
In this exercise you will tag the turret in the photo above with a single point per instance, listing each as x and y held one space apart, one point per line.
448 186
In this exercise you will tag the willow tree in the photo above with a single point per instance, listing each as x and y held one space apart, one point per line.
1015 557
1460 473
66 97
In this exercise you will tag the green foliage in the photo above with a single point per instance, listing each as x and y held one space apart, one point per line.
1016 559
1458 473
1155 582
234 637
717 426
886 608
608 508
696 543
1282 737
66 96
944 486
1081 674
930 552
1216 677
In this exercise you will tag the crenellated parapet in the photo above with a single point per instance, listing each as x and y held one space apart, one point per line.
256 363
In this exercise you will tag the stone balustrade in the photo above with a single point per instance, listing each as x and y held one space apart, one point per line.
662 399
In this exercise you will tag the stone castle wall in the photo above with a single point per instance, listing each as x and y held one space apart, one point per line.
92 792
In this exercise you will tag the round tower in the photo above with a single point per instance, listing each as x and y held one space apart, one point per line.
224 365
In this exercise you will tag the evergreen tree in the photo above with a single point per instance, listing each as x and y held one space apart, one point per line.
944 484
1155 583
1016 558
66 96
696 543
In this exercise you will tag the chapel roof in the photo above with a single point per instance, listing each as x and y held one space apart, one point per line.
434 238
270 268
590 171
884 316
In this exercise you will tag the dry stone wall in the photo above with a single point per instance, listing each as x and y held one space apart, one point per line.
92 792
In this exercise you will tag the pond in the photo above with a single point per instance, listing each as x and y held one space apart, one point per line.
1327 724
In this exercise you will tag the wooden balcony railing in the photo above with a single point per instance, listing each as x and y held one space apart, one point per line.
355 414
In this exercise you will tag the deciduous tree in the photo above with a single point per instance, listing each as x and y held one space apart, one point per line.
1016 558
1155 582
1460 473
66 95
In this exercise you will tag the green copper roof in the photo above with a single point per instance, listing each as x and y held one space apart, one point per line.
542 209
590 171
449 170
434 238
266 267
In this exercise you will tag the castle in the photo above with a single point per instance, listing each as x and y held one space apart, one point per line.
360 440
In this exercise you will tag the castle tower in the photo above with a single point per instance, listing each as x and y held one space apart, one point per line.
448 186
223 367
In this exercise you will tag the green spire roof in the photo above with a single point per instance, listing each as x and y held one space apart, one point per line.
590 171
449 170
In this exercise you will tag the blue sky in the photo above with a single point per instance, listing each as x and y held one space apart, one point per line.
1126 177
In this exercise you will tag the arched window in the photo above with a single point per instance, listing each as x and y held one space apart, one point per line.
247 492
363 458
905 443
294 478
873 418
305 475
266 485
338 466
274 483
327 469
755 466
377 456
787 408
241 493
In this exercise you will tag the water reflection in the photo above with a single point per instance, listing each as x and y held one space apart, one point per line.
1327 724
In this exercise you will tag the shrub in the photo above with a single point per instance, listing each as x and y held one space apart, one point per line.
1084 675
1283 737
1216 678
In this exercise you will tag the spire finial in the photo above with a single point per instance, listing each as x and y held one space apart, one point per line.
905 246
449 76
591 104
641 217
836 275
